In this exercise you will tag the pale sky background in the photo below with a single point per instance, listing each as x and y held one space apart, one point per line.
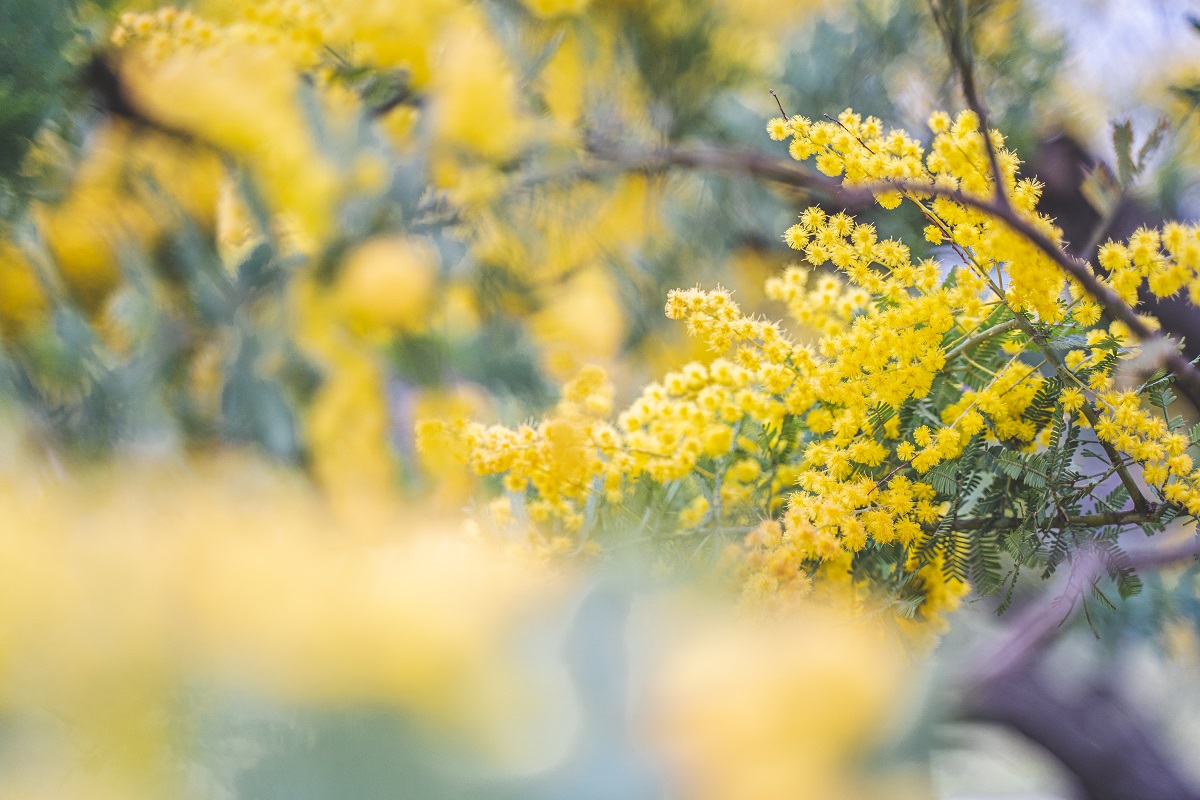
1120 50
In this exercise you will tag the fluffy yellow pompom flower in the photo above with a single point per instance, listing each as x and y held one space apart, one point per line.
1072 399
387 283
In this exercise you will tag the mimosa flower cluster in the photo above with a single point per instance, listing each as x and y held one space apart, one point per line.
854 463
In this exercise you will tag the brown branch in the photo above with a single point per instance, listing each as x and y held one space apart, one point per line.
956 32
1144 558
1114 752
114 96
1041 621
1101 520
761 165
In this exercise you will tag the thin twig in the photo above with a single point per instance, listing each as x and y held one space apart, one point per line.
778 103
957 35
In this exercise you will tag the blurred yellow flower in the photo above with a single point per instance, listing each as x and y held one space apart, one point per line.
475 104
582 321
22 299
117 200
556 8
243 98
782 709
387 283
130 585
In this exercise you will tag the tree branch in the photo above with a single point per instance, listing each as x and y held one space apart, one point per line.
1036 625
761 165
1119 518
1113 751
951 19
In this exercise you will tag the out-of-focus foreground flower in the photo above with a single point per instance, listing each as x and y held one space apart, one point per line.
128 589
138 599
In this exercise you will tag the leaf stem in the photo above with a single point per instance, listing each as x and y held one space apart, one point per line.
979 338
1089 411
